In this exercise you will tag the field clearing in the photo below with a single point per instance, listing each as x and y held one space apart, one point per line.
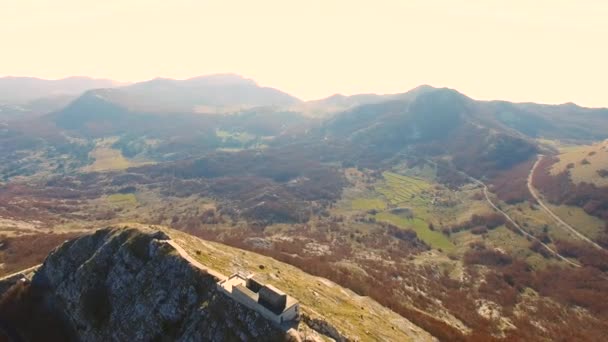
368 204
242 137
595 155
534 221
588 225
505 240
122 199
432 238
518 246
400 189
108 159
10 227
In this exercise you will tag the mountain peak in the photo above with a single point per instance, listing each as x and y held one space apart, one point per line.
131 284
222 79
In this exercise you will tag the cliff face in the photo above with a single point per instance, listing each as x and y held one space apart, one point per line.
131 285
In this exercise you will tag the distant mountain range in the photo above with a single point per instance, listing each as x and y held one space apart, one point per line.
219 93
230 93
182 114
21 90
201 94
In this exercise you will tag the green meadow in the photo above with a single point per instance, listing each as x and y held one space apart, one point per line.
432 238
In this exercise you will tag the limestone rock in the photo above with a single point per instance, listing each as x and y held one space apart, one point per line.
130 285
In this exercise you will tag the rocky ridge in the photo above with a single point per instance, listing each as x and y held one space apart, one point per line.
149 283
130 285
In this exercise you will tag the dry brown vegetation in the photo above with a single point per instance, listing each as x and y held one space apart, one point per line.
559 189
21 252
591 257
585 287
370 258
505 280
511 186
477 224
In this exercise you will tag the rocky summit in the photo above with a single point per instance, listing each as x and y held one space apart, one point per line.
131 285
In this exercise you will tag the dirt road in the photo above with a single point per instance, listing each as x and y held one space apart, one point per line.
546 209
525 233
510 219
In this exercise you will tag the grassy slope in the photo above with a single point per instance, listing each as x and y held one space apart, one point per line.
423 197
596 155
107 158
432 238
398 190
588 225
357 316
122 199
368 204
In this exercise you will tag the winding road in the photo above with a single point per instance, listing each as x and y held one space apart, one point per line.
525 233
510 219
560 222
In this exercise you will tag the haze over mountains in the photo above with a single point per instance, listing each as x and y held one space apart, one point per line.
218 92
18 90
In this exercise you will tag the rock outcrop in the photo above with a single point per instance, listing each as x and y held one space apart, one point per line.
131 285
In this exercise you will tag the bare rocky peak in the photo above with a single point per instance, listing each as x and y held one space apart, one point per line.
131 285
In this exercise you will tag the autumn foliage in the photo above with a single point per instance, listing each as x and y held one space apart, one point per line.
511 186
559 189
20 252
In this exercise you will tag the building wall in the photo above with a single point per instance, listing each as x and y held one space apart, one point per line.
252 304
244 298
237 294
291 313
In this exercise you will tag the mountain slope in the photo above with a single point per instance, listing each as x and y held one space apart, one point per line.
126 285
129 284
206 94
566 121
431 123
337 103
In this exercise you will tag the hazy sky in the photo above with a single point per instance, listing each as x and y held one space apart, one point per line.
551 51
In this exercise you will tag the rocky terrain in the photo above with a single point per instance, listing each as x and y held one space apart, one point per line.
130 284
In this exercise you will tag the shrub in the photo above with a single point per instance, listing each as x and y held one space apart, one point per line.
486 257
